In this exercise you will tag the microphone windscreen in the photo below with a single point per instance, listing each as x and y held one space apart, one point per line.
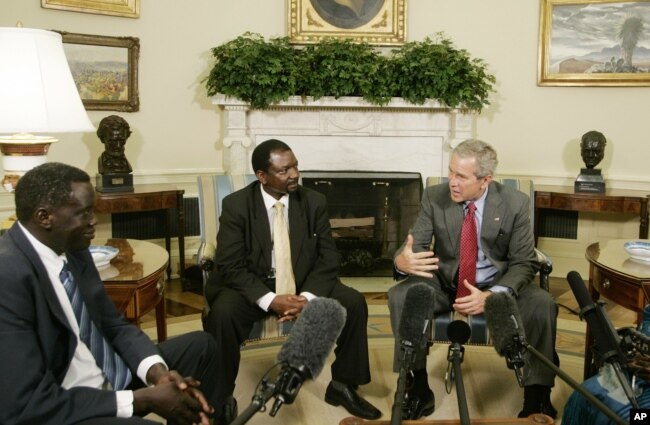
313 335
458 331
607 340
579 289
503 321
417 313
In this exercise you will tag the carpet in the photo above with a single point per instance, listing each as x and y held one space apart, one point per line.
491 388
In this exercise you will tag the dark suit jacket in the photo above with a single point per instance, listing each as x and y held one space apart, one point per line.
506 234
243 258
37 344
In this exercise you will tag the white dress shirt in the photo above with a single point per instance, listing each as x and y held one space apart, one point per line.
265 301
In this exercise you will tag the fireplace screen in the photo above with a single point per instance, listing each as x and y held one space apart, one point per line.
370 215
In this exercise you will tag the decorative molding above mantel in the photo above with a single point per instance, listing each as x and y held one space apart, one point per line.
347 133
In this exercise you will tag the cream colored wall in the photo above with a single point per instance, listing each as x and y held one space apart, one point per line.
176 133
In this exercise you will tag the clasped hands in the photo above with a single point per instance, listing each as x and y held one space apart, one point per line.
288 306
424 263
173 397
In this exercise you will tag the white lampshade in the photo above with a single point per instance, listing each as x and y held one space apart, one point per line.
37 95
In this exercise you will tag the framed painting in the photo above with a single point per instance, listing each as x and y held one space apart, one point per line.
125 8
105 70
594 43
378 22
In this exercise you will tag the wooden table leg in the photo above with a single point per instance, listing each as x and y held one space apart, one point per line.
643 215
181 233
161 323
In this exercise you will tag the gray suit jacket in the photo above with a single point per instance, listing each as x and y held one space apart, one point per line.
506 234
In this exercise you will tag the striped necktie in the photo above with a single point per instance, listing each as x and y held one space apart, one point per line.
113 366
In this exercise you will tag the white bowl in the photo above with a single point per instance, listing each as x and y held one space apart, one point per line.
102 255
638 250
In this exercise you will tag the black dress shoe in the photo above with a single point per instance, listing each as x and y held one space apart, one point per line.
352 402
544 408
228 412
417 405
537 399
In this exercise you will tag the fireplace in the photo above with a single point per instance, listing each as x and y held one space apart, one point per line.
370 215
391 149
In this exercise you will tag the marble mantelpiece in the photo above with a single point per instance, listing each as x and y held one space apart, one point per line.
347 133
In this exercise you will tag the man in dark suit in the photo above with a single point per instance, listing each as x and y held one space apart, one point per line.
49 362
242 287
505 261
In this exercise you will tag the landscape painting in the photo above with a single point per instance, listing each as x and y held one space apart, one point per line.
594 43
104 70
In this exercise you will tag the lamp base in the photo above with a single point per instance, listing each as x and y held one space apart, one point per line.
20 153
589 181
114 182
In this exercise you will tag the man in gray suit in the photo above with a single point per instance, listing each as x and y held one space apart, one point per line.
506 261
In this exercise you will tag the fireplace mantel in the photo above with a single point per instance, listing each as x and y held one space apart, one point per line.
347 133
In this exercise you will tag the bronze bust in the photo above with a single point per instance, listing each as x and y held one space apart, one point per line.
592 148
113 132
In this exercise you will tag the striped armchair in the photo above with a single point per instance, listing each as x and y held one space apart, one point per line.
212 190
480 335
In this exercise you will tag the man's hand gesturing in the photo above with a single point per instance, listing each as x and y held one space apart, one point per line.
416 263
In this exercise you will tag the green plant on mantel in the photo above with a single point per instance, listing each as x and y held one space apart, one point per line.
263 72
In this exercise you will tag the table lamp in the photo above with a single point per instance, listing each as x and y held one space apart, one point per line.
37 95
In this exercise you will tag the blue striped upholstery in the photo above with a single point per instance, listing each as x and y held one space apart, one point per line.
480 334
212 190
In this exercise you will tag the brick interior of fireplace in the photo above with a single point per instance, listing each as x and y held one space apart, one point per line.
370 214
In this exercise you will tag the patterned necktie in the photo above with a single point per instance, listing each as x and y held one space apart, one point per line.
284 280
113 366
468 252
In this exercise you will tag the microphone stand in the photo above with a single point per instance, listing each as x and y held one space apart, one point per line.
455 357
258 404
400 392
566 378
284 389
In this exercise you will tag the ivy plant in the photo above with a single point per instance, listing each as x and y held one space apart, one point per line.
264 72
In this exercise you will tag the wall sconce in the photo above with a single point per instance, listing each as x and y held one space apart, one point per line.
37 95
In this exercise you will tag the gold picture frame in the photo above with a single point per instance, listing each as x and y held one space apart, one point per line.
377 22
593 43
105 70
124 8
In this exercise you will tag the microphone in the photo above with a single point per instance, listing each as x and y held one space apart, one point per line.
458 332
302 356
311 340
509 339
506 330
607 341
417 313
606 338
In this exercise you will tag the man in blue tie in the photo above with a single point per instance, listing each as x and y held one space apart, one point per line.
67 356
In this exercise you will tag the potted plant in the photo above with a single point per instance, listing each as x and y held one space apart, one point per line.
263 72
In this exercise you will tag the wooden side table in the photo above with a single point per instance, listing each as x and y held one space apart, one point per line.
135 281
150 198
617 201
614 275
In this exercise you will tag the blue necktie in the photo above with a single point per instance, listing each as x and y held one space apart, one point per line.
107 359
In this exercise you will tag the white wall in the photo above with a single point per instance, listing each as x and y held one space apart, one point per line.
176 133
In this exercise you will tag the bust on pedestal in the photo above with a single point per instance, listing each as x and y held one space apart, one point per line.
114 169
592 150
